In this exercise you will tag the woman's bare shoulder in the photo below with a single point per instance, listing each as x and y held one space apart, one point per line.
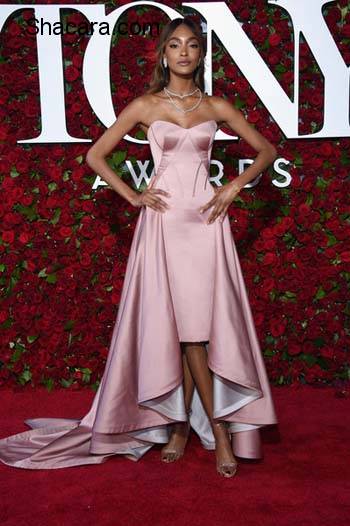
222 108
146 103
216 102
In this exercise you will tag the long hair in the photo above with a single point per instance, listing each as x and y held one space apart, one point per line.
160 76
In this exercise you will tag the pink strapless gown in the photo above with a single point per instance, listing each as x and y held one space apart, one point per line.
183 282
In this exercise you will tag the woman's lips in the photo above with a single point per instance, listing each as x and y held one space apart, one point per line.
184 62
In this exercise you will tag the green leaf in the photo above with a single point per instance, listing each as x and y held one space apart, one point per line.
298 161
66 383
332 240
12 282
42 273
220 73
94 279
344 159
239 103
13 172
7 323
30 212
56 216
69 325
321 183
285 209
323 362
52 186
86 374
266 45
140 134
310 359
31 339
49 383
25 376
257 204
118 157
309 199
289 296
272 293
319 342
90 179
51 278
280 68
19 349
320 293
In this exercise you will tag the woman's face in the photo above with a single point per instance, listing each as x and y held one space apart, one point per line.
182 50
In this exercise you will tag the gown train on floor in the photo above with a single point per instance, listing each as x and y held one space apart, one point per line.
183 282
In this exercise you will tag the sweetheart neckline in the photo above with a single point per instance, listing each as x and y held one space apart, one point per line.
178 125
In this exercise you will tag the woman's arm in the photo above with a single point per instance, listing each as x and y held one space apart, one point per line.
95 157
226 113
235 119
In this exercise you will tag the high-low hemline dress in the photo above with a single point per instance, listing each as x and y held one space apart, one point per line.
183 282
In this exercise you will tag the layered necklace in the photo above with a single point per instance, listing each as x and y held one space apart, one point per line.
169 94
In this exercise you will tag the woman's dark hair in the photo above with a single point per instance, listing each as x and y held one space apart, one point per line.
160 76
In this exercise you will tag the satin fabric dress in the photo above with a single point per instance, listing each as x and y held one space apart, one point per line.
183 282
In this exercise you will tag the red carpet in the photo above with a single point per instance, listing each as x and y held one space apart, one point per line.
304 478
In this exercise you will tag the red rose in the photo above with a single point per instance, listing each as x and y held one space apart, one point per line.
253 116
274 39
270 259
268 284
65 231
277 328
8 236
31 266
72 73
85 260
294 349
24 237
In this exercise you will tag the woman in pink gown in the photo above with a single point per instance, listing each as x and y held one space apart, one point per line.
184 352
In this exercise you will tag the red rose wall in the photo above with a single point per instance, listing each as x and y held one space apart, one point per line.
64 246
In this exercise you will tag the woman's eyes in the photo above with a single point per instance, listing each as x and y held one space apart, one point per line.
191 45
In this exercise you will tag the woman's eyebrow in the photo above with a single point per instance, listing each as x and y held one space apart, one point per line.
189 38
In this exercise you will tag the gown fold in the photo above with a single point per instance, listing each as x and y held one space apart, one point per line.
183 283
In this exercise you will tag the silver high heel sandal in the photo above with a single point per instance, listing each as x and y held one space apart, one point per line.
227 469
171 453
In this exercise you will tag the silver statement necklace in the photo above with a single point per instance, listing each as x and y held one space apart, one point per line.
168 94
181 96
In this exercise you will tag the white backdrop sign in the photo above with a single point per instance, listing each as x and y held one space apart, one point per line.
306 17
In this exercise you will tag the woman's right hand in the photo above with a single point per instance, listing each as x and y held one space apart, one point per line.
149 198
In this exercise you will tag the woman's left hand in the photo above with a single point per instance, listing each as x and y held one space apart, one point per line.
222 199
